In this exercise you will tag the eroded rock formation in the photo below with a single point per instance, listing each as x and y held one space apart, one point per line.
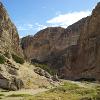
9 38
73 52
9 44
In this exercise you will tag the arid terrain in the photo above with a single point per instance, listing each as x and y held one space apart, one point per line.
55 64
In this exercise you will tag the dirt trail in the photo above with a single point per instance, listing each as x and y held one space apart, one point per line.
23 91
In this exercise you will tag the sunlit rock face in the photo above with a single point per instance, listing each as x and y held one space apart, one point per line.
9 44
73 52
9 38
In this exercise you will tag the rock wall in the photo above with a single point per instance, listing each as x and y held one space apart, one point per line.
9 44
9 38
73 52
88 61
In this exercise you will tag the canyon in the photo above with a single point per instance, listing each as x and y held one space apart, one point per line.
72 53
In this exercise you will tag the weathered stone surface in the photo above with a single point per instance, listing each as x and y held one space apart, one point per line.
88 59
42 72
73 51
9 43
55 46
9 39
9 78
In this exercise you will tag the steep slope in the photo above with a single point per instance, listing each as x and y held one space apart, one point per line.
72 52
88 61
9 38
9 45
15 72
54 46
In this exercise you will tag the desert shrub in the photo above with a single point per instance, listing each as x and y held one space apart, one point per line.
2 94
17 59
7 55
2 59
46 68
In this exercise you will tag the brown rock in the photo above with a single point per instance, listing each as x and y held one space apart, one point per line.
9 43
73 52
9 39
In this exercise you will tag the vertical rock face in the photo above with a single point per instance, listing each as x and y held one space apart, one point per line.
55 46
50 40
40 46
9 39
74 52
89 47
9 44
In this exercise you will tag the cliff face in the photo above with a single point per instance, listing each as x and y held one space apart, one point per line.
88 61
9 39
50 40
15 73
55 46
9 44
74 52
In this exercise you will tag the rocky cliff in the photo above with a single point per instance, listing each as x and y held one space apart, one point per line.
9 45
73 52
88 57
9 38
15 73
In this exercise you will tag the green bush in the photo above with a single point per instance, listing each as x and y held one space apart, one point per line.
2 59
17 59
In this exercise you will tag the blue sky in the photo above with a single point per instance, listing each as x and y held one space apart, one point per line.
31 16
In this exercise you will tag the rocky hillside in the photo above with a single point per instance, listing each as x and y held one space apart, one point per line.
9 48
73 52
15 73
9 38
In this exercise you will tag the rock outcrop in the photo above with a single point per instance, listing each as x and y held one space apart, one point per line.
15 73
88 57
9 44
73 52
9 38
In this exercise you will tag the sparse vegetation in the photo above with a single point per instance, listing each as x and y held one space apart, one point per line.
68 91
2 59
46 68
17 59
19 95
2 95
65 87
7 55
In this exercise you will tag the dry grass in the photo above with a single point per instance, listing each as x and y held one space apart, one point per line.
68 91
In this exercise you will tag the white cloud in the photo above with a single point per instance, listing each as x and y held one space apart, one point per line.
25 27
67 19
40 26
